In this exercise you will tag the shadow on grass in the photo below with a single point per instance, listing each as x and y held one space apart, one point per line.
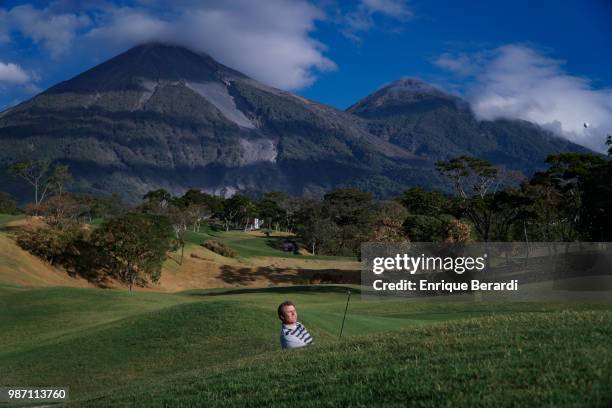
286 245
282 289
245 276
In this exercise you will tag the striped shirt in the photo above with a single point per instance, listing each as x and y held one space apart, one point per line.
294 336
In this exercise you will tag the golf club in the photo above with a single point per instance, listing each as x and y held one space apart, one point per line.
345 309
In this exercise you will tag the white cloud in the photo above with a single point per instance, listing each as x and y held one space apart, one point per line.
54 32
13 74
124 27
269 41
393 8
463 65
518 82
361 19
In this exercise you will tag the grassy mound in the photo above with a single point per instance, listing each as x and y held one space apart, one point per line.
220 347
220 248
561 359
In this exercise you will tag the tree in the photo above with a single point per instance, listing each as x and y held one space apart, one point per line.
425 228
419 201
180 217
134 246
387 222
91 206
609 144
315 229
271 210
343 220
60 212
506 208
476 181
197 213
7 204
237 210
583 183
200 206
156 201
34 173
457 232
470 175
51 244
570 174
60 178
549 220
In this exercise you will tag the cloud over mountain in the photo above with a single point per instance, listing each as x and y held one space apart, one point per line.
269 40
518 82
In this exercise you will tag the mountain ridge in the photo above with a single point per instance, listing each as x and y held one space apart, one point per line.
162 116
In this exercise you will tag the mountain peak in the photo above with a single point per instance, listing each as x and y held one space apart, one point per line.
400 94
412 86
152 61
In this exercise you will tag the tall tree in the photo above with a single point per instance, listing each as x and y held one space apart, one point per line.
34 173
470 175
60 179
237 211
315 229
476 181
157 201
387 222
270 208
135 246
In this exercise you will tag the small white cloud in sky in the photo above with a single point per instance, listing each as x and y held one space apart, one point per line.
13 74
361 19
393 8
54 32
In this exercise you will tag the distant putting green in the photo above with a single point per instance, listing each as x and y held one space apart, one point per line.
250 245
220 348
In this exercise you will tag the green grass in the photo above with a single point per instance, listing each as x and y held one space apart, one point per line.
220 348
249 246
6 218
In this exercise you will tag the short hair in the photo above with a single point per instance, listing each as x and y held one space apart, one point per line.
285 303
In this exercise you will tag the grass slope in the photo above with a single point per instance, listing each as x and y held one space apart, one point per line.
19 268
253 244
220 347
260 262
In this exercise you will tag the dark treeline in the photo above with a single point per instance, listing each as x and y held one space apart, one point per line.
101 236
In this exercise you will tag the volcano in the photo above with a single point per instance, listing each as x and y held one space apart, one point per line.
163 116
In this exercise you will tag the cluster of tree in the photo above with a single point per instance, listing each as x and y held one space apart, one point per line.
571 200
128 246
344 218
274 210
43 179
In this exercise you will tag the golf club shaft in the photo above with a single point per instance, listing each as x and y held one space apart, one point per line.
345 310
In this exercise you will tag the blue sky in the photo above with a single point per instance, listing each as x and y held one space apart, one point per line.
544 61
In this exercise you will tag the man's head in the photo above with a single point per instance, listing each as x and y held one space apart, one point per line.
287 312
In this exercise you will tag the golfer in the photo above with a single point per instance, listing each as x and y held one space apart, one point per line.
293 333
